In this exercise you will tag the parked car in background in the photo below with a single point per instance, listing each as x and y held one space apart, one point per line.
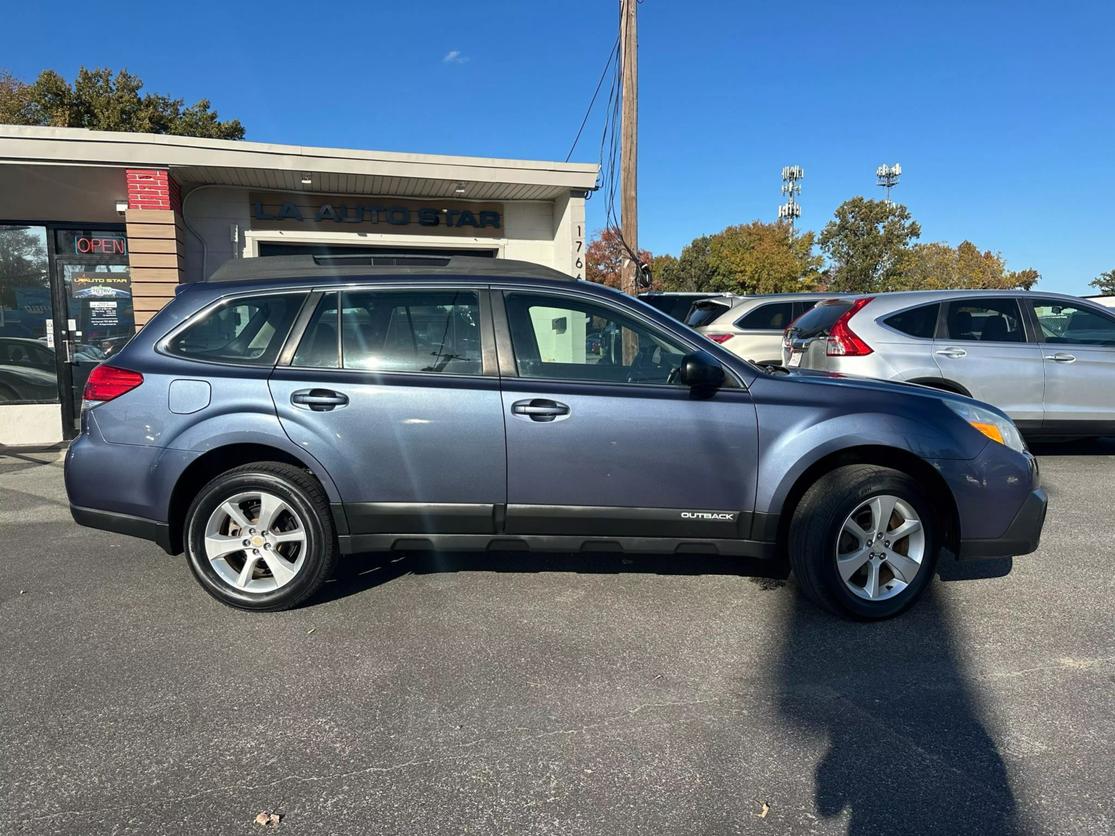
27 371
1046 359
754 325
291 409
678 304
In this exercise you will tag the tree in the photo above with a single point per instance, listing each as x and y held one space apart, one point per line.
665 274
605 257
100 101
1105 283
763 258
938 266
695 271
865 242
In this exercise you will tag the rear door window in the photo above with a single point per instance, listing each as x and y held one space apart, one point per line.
248 330
918 322
427 331
1067 324
985 320
774 316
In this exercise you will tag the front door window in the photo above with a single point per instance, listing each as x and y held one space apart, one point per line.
1067 324
562 338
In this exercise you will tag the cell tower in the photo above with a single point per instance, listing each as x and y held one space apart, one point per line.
887 177
792 175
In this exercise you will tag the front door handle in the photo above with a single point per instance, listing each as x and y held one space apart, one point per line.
1061 357
318 400
954 353
539 409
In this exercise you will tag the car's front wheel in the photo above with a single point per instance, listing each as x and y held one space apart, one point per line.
863 541
261 537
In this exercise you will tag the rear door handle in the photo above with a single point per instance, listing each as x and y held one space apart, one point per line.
954 353
318 400
1061 357
539 409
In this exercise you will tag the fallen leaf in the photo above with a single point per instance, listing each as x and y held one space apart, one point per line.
266 819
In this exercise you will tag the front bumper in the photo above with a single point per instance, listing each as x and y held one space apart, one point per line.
1021 537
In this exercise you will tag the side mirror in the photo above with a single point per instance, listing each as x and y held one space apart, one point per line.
700 370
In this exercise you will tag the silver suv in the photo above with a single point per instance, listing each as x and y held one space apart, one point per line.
1046 359
752 328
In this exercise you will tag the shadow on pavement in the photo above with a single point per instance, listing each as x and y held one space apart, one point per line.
357 573
1073 447
907 750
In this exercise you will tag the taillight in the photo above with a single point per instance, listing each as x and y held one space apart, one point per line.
108 382
719 338
843 341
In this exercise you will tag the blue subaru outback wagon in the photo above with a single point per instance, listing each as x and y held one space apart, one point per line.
293 409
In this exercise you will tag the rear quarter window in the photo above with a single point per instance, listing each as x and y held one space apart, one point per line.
247 330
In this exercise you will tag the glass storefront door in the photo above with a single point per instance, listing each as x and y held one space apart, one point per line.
91 269
28 366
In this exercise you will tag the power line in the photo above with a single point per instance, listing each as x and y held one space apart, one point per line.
611 57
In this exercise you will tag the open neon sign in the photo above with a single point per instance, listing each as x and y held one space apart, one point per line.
89 245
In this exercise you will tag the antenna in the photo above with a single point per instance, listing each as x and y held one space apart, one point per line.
792 175
887 177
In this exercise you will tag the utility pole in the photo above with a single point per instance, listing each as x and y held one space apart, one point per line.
629 138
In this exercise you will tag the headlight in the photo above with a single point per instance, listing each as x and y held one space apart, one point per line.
991 424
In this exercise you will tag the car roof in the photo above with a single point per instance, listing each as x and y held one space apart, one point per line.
897 297
786 297
712 294
345 268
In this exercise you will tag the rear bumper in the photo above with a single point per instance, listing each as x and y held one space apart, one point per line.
156 532
1021 537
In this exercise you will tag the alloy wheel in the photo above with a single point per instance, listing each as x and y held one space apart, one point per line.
880 548
255 542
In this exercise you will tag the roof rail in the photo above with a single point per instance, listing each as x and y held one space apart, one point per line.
378 264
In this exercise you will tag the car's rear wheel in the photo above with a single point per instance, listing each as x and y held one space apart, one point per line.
863 541
261 537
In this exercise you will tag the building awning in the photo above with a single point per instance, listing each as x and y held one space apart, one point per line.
260 165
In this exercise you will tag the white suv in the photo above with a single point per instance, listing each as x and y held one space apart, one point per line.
753 327
1046 359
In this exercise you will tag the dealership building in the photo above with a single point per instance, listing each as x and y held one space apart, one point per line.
98 228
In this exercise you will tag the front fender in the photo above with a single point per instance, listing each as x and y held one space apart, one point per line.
801 425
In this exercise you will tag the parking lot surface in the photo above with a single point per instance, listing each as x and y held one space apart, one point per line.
564 695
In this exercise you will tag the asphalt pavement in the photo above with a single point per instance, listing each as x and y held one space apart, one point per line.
513 694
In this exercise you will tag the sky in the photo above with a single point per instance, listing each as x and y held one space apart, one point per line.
1002 114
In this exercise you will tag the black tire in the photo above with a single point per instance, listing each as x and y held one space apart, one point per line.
304 496
816 526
